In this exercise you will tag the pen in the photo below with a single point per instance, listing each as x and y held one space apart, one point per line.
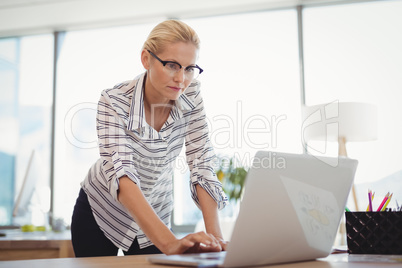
383 202
386 203
370 201
346 209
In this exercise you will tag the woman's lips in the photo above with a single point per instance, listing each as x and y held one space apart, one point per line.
175 88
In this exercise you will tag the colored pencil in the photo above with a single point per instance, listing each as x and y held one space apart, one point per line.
386 203
370 196
383 202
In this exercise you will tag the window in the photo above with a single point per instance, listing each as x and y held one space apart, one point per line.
353 53
8 111
25 116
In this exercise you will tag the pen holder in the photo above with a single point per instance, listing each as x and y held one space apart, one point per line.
374 232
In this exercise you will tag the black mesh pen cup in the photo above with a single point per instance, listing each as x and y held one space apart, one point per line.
374 232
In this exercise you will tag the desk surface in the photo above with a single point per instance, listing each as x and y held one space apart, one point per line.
332 261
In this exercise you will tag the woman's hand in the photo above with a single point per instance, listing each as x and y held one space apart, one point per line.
196 243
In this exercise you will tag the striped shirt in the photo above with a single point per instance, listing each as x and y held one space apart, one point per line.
130 147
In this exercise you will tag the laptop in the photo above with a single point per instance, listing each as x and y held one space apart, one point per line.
290 212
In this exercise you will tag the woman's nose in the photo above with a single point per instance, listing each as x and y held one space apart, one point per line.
179 76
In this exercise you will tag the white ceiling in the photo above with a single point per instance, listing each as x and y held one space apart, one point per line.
20 17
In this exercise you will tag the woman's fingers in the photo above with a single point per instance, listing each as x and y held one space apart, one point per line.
201 242
202 238
223 244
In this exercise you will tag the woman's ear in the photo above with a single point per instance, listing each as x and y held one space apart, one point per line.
145 59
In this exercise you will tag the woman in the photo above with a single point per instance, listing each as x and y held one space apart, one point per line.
126 199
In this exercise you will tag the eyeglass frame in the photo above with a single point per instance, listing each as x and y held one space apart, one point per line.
164 62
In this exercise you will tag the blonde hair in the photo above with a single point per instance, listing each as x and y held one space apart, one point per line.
170 32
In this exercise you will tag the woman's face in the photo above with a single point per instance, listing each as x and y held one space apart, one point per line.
165 86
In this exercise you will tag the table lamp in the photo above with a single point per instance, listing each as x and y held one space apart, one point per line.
342 122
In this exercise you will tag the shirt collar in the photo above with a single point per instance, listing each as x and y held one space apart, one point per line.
137 113
184 103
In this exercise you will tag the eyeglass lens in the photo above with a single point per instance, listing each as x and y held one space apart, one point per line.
190 72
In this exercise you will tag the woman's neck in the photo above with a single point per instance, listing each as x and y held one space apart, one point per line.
156 110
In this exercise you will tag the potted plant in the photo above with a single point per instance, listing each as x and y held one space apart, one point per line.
232 176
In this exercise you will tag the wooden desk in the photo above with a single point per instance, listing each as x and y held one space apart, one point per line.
332 261
17 245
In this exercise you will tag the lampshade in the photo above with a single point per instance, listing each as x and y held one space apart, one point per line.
352 121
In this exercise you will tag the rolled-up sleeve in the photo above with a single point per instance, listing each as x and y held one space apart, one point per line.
113 146
200 156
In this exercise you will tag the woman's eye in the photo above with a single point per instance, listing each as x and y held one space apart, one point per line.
173 66
190 69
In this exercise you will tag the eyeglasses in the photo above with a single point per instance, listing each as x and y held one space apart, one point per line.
171 67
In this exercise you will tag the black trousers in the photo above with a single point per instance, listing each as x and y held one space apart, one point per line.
88 239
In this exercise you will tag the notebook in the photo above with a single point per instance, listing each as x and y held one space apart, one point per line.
290 211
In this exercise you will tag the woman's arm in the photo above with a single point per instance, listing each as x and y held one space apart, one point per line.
131 197
209 212
209 209
200 153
